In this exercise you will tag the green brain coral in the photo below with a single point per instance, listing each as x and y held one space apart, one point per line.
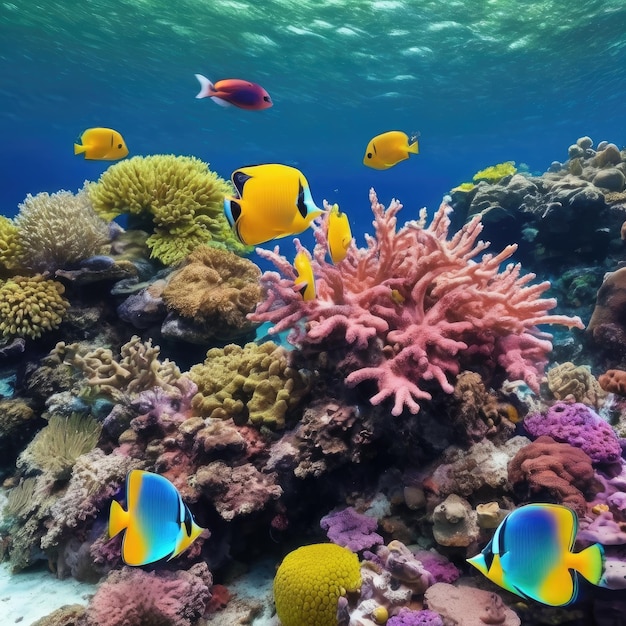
251 384
181 195
494 173
30 306
310 581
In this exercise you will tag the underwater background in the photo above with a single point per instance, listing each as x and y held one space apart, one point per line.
419 399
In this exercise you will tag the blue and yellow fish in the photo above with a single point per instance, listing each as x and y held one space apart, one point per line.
339 234
531 555
157 523
274 201
101 144
387 149
305 282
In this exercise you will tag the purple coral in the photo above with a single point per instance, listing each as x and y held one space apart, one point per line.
581 427
406 617
351 530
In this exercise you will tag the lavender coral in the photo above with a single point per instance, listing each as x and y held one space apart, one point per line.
414 306
351 529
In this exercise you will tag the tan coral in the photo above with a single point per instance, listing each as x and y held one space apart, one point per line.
217 289
253 384
10 248
30 306
59 230
568 381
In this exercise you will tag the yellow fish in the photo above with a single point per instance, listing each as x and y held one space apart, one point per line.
274 201
157 523
101 144
339 234
385 150
305 282
531 555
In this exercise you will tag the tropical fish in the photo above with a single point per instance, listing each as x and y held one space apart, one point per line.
235 92
305 282
385 150
157 523
274 201
101 144
339 234
531 555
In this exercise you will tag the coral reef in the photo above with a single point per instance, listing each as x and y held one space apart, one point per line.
351 529
10 248
570 382
180 195
412 308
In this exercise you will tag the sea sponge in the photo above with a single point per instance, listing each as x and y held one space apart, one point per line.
310 581
30 306
182 197
59 230
10 248
494 173
56 447
251 384
217 289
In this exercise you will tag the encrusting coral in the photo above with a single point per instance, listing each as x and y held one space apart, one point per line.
58 230
216 289
30 306
253 384
413 307
181 195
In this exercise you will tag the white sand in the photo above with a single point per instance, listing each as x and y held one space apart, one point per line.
28 596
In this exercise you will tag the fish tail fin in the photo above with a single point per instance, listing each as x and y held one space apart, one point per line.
206 86
414 147
589 562
118 519
78 149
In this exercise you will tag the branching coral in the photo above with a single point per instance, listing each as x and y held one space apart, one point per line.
254 383
57 231
217 289
56 447
181 195
413 306
30 306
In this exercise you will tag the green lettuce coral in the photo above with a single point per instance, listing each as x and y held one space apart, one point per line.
182 197
58 230
30 306
253 384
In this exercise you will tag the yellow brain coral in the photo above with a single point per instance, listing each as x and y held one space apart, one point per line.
10 248
217 289
494 173
30 306
255 383
180 195
310 581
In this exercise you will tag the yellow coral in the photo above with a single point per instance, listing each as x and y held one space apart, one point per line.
58 230
576 382
30 306
463 187
181 195
310 581
254 383
217 289
494 173
10 248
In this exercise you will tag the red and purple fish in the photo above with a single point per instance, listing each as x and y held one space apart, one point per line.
235 92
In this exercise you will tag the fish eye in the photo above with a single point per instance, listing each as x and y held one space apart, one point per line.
266 99
119 146
369 155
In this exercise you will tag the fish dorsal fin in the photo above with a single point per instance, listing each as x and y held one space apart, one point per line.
239 180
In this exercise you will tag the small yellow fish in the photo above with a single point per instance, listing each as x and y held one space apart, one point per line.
274 201
339 234
385 150
101 144
305 282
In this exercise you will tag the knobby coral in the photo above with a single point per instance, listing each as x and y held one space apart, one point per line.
255 383
30 306
413 305
181 195
59 230
10 248
217 289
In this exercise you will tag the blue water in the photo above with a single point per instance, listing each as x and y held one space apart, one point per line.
482 81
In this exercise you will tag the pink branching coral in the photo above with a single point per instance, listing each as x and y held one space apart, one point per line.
412 305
